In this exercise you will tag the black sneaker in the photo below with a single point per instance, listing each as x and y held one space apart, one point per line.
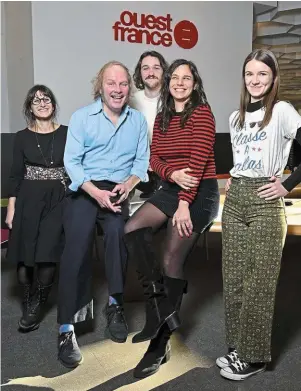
117 328
68 351
241 370
228 359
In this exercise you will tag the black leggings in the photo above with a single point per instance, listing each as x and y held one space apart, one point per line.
45 273
176 249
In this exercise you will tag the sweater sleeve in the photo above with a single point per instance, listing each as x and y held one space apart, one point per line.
163 169
18 167
295 178
201 148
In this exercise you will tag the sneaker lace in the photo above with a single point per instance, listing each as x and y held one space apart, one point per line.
67 339
116 313
240 365
233 356
34 307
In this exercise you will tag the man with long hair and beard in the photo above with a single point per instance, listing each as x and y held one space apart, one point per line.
148 78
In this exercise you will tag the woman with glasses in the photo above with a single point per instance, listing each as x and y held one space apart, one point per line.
253 221
37 187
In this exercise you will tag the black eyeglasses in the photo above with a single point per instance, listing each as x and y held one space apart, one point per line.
252 124
37 101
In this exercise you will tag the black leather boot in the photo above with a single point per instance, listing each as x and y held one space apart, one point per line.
159 349
32 317
139 245
175 288
158 353
25 301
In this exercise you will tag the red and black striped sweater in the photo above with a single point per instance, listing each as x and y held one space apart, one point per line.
190 147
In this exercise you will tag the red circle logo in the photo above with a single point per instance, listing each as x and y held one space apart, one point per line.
186 34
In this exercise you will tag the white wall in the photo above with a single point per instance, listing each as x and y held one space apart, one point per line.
72 40
4 90
17 74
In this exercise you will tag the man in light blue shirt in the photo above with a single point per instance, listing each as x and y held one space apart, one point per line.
106 156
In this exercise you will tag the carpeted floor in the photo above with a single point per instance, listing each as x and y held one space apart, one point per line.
29 361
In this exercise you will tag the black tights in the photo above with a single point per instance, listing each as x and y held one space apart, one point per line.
176 249
45 273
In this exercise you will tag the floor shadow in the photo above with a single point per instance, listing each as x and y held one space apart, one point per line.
116 382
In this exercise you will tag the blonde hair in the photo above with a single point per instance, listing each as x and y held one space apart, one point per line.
98 80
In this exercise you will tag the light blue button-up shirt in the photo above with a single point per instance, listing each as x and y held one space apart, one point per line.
98 150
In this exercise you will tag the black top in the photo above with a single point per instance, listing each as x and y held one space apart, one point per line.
26 151
254 106
295 178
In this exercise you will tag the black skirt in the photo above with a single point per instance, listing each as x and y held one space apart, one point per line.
203 210
37 229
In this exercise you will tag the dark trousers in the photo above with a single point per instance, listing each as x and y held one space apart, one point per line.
81 213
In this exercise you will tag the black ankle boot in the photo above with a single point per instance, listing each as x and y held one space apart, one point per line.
139 245
175 288
158 353
25 301
33 315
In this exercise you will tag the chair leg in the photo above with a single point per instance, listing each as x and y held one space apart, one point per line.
205 243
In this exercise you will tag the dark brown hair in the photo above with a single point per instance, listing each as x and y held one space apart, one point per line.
166 101
270 98
137 73
28 114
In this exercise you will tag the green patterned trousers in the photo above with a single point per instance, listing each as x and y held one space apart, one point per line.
253 236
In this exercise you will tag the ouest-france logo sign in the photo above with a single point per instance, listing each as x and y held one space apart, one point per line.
154 30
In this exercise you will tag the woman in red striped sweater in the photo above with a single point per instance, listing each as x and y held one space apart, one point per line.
182 155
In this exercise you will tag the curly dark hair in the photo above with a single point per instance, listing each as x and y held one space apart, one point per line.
28 114
166 101
137 73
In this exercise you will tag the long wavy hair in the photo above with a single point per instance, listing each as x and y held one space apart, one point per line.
166 101
137 73
270 98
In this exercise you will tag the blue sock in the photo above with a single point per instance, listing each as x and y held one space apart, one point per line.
112 300
116 299
65 328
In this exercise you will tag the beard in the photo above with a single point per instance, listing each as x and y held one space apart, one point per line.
152 83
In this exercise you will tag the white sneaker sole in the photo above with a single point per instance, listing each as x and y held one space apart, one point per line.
221 364
233 376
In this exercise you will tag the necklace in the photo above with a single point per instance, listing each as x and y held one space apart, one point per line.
40 149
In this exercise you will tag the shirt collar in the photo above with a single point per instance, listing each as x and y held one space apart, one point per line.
251 107
97 108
